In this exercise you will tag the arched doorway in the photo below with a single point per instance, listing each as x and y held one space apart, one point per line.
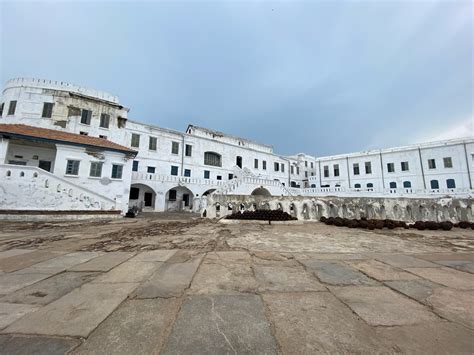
179 198
142 196
210 191
261 191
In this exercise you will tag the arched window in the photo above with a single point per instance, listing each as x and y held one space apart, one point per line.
313 186
393 185
212 158
434 184
451 184
370 185
357 186
407 184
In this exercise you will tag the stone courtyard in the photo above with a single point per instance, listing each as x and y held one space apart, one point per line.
178 284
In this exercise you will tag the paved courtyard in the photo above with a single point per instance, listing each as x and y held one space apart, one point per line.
179 285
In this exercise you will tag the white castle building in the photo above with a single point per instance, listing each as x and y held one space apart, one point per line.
68 148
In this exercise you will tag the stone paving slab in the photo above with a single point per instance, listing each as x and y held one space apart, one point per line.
10 312
22 261
278 259
419 289
429 338
335 273
50 289
330 256
447 256
318 323
76 314
221 324
136 327
404 261
60 263
104 262
381 271
285 279
461 265
446 276
154 255
10 282
22 345
380 306
14 252
455 305
170 280
234 257
129 271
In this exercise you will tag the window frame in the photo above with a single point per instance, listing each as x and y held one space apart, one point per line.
368 167
151 169
255 163
135 165
135 140
335 168
190 150
152 143
174 168
326 171
390 167
187 172
104 118
12 107
448 160
118 169
212 159
47 110
74 170
431 164
207 174
354 167
403 165
100 164
174 145
87 117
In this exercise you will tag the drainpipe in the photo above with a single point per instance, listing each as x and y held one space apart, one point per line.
348 173
467 166
381 165
182 157
422 170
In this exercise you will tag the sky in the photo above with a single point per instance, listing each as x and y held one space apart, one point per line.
320 77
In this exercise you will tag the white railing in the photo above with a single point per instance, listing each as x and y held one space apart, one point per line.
136 176
55 184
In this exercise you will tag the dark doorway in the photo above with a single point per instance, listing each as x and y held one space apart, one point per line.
239 162
186 200
148 199
45 165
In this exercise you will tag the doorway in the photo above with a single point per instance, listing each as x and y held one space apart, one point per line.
45 165
238 162
186 200
148 199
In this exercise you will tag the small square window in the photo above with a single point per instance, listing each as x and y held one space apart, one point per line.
86 116
187 172
12 108
135 140
405 166
218 177
152 143
96 169
391 167
448 162
104 120
150 170
231 176
47 110
174 170
117 171
188 150
174 147
431 164
72 167
207 174
135 165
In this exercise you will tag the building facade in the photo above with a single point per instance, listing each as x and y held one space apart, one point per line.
163 169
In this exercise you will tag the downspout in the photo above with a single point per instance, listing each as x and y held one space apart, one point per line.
467 166
348 173
381 166
422 170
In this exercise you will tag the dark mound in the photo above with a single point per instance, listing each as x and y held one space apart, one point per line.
262 215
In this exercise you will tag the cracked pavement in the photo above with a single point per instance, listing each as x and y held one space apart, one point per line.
175 284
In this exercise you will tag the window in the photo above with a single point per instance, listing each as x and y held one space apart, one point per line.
305 174
207 174
86 116
255 163
312 165
450 184
72 167
355 168
370 185
117 171
213 159
292 169
104 120
336 169
174 170
431 163
297 170
282 168
448 162
150 170
231 176
152 143
306 163
393 185
326 171
368 167
82 133
12 108
357 186
219 177
264 165
102 136
172 195
1 109
407 184
96 169
276 167
405 166
434 184
187 172
47 110
174 148
134 193
188 150
135 165
135 140
391 167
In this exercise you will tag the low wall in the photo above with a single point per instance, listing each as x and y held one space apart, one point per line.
306 208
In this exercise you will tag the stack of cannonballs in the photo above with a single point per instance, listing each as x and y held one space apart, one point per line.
262 215
391 224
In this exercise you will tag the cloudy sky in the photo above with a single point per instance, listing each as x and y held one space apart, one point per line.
312 76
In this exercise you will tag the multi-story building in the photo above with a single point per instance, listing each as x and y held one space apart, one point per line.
84 139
